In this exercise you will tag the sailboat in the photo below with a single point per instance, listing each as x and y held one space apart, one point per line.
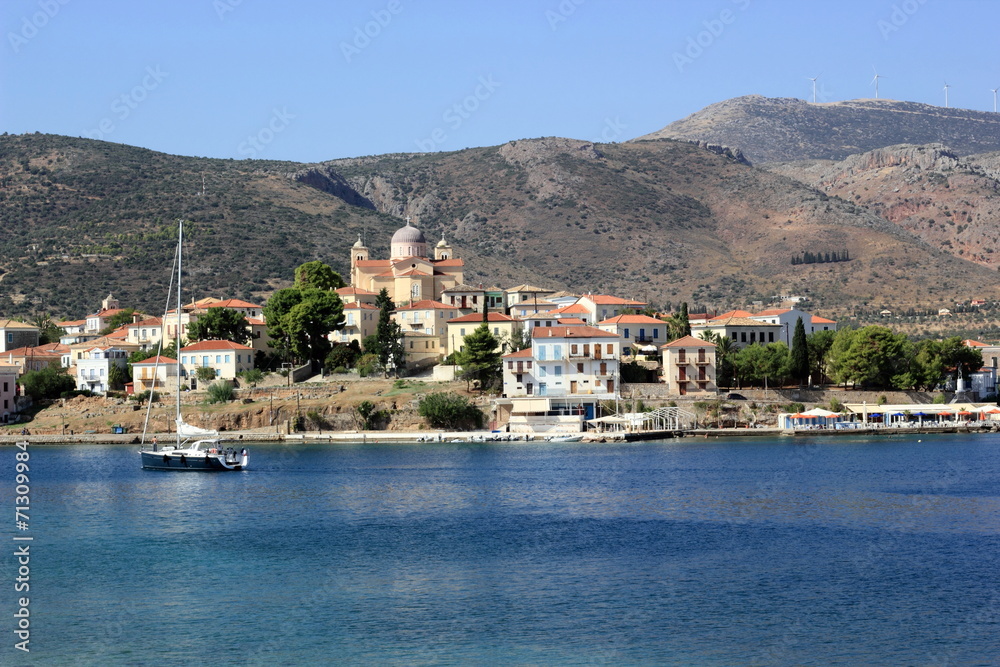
195 449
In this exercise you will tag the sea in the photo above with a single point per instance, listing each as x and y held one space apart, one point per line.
753 551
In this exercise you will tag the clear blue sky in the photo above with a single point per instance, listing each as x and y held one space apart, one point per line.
301 80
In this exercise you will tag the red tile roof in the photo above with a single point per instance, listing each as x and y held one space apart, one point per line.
373 264
816 319
973 343
772 312
357 305
355 290
525 353
448 262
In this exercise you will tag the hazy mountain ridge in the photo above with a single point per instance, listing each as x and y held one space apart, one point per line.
787 129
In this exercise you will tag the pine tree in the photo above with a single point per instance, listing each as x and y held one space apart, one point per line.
685 321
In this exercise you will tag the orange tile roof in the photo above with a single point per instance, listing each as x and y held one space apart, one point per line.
357 305
735 322
772 312
688 341
447 263
427 304
572 309
571 332
151 322
158 360
257 322
355 290
731 314
570 320
973 343
33 352
373 263
478 317
633 319
14 324
71 323
214 345
232 303
413 272
816 319
526 352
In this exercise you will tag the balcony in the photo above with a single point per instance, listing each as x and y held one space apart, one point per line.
702 362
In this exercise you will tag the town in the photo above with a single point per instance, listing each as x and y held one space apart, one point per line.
548 362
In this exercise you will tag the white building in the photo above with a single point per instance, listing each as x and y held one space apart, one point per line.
559 382
93 367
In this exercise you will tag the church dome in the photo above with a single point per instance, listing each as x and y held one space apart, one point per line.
408 234
358 243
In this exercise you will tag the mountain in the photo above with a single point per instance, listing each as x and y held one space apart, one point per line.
768 129
660 220
950 202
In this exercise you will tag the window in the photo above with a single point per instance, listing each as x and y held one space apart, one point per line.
770 336
626 334
204 360
218 358
239 358
541 352
611 349
542 372
743 336
573 350
656 333
558 371
10 338
579 368
557 352
184 359
461 332
6 386
217 372
228 358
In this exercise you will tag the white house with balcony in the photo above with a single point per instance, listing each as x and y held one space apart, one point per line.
558 383
93 367
147 333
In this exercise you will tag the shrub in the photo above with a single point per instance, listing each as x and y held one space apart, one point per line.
144 396
882 400
449 410
252 376
205 373
836 405
367 365
220 392
371 418
795 407
939 399
49 382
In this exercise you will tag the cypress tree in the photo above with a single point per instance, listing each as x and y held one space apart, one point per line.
800 352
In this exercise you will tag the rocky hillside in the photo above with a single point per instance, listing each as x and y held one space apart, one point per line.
660 220
656 220
950 202
785 129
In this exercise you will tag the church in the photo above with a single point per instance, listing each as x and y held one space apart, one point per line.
409 275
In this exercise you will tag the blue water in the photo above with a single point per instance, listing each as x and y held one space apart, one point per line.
830 551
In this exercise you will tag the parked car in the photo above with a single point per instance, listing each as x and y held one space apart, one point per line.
735 397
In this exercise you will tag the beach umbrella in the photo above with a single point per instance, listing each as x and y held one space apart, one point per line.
964 412
920 414
945 413
993 411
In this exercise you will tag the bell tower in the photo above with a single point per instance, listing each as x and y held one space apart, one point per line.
442 250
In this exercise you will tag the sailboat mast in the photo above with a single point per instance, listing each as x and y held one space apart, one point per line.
180 248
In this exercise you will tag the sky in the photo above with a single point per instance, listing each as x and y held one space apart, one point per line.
313 80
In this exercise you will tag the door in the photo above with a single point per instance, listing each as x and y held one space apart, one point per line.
572 386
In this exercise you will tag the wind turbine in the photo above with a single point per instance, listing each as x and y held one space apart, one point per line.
994 91
946 87
813 79
875 80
